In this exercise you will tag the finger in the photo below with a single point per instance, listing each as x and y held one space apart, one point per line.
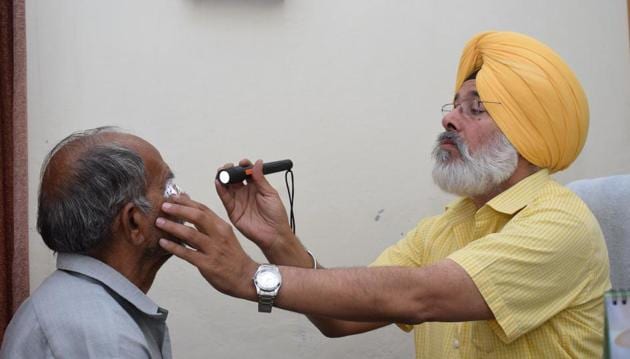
187 234
259 179
187 201
225 195
235 187
196 213
244 162
225 166
182 194
189 255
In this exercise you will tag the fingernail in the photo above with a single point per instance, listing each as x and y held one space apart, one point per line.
164 242
160 221
166 205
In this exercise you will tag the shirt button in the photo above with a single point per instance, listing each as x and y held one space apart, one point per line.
455 344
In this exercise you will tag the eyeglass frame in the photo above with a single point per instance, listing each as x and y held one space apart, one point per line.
445 108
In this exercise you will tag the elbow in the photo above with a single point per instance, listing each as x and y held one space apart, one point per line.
416 317
333 332
332 335
419 309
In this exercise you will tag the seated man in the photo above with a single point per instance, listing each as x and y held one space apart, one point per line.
100 194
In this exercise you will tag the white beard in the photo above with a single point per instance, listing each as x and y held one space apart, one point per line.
474 174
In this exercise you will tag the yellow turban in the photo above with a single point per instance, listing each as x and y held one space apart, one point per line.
543 110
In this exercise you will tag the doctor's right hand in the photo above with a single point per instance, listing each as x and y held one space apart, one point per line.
255 208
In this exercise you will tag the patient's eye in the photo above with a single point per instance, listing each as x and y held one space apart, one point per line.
171 189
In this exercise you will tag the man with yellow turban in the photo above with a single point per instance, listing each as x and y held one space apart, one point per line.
515 268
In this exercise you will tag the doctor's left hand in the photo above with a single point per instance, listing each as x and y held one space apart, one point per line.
215 250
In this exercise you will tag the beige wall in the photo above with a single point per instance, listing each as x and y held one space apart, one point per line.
350 90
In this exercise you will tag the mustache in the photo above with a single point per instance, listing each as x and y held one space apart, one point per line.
451 136
448 136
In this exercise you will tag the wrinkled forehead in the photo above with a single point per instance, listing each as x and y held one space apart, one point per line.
155 166
158 173
135 143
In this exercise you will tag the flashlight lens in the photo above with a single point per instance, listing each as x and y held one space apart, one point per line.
224 177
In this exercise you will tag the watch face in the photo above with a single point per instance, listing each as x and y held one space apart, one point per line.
267 280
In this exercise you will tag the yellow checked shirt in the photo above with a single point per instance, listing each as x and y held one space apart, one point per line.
539 259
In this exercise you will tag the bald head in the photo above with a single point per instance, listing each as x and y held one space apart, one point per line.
64 159
86 179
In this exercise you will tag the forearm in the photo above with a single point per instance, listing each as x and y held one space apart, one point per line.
383 294
288 251
378 295
440 292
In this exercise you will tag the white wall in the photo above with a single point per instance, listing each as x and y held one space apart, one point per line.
349 90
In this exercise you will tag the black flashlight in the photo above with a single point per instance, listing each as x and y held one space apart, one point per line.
238 174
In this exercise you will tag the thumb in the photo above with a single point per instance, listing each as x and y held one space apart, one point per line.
260 180
224 194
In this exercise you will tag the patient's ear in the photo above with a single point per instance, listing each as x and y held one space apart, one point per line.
133 223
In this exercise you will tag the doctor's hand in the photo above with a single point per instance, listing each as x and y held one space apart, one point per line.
215 250
256 209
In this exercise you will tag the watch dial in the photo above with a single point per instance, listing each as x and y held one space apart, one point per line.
267 280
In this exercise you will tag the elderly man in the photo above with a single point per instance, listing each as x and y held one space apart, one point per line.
100 194
514 268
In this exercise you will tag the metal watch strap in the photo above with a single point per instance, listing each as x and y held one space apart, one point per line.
265 303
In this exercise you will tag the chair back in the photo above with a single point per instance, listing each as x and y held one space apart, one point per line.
609 200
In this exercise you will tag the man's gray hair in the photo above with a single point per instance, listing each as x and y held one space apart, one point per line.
76 214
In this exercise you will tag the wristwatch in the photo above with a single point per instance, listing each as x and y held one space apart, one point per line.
267 281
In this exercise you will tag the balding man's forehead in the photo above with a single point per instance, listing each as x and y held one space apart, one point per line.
74 149
63 162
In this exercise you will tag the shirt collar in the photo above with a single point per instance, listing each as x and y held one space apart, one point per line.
519 195
509 201
111 278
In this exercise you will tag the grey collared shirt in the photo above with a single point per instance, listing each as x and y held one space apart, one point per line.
86 309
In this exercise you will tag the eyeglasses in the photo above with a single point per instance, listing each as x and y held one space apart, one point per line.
171 189
471 108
